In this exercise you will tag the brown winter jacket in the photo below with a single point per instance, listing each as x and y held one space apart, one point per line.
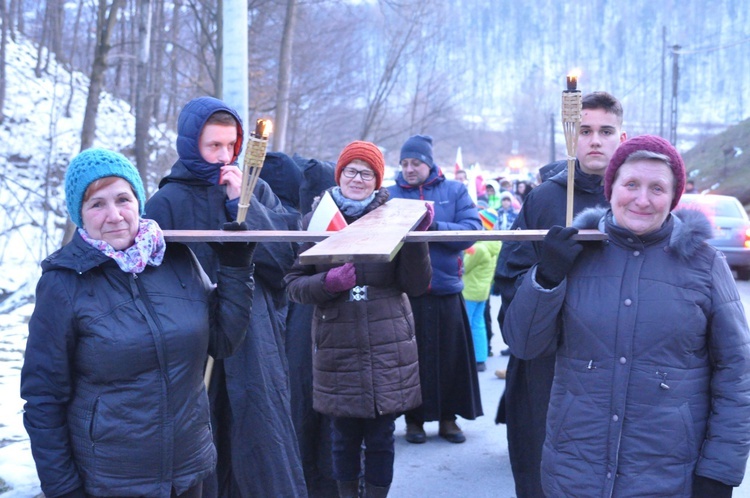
365 352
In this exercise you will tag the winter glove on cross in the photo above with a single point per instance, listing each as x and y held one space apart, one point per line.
559 252
426 222
234 254
340 279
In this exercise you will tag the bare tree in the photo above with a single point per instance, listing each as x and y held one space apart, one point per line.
76 24
285 77
5 18
106 17
143 99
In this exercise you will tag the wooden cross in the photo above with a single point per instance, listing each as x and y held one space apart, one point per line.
374 238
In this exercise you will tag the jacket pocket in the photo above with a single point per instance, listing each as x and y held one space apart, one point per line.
94 420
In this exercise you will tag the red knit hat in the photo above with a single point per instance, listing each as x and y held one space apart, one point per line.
651 143
364 151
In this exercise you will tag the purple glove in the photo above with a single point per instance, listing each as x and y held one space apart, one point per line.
426 222
340 279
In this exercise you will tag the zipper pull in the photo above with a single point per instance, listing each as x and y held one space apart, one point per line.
663 384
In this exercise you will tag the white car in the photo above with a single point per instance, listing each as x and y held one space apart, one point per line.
731 228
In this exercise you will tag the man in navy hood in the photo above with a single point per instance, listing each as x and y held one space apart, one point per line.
249 392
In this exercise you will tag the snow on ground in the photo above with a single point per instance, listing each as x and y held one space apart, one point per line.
16 464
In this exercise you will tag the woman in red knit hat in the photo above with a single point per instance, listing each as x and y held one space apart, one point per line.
365 368
651 394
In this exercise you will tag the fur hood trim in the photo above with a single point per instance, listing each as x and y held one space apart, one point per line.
691 228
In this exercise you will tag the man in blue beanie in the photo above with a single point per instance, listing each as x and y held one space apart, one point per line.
254 434
447 367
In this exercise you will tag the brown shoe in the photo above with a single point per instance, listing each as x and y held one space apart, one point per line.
500 374
451 432
415 433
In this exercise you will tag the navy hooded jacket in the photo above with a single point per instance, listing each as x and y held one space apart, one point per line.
249 392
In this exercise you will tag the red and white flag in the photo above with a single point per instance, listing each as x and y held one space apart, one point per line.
327 217
459 161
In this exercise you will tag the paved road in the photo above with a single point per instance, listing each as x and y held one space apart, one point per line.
478 468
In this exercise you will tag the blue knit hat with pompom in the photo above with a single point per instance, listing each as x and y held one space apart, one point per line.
91 165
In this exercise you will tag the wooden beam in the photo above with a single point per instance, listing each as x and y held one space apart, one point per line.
294 236
244 236
375 238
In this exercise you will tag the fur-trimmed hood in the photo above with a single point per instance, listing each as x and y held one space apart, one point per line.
691 227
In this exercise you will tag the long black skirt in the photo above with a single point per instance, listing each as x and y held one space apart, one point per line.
447 366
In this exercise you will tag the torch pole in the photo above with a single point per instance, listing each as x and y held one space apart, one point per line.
571 120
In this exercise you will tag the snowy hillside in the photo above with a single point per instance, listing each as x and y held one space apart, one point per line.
37 140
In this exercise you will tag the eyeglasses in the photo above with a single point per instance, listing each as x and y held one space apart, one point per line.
366 175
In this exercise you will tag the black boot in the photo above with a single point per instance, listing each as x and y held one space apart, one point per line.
348 489
372 491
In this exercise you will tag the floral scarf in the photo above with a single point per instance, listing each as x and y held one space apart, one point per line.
148 248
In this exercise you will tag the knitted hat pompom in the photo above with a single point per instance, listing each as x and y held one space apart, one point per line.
489 218
94 164
651 143
363 151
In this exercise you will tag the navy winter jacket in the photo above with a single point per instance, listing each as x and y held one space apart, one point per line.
249 391
454 210
113 373
652 372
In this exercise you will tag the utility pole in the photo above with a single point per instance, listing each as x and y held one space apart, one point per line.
234 60
663 77
675 79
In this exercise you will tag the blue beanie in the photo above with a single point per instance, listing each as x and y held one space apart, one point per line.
418 147
91 165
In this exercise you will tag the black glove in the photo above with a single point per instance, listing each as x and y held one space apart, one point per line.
704 487
234 254
559 252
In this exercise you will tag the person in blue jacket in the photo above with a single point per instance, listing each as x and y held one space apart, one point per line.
447 368
123 324
249 392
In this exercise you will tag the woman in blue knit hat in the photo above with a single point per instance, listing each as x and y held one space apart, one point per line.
113 371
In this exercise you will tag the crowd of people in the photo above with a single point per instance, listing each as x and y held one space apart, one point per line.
311 364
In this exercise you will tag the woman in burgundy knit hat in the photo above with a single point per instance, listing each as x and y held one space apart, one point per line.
651 395
365 368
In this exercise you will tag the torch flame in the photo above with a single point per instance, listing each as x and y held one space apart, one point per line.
263 128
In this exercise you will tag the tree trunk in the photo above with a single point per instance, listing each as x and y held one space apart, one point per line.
142 94
156 82
5 18
285 77
72 57
219 60
174 33
42 43
105 24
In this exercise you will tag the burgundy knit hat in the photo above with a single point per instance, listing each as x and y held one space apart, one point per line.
651 143
364 151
